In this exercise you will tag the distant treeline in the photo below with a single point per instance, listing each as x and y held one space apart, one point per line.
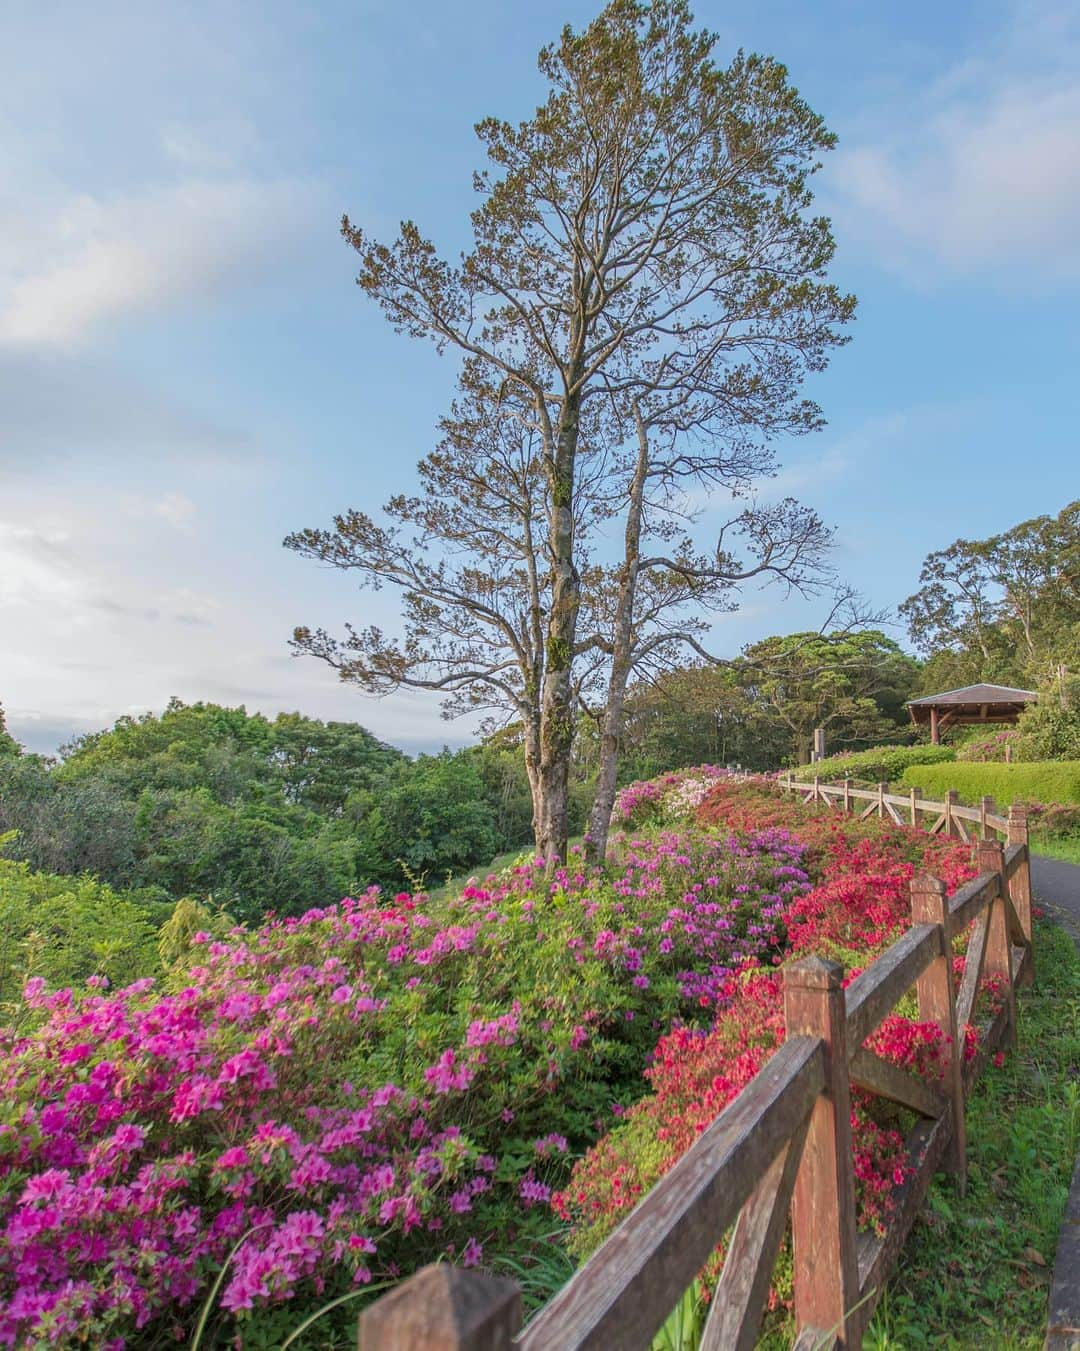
250 815
254 814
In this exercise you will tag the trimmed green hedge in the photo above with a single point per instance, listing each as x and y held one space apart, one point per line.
1042 781
880 764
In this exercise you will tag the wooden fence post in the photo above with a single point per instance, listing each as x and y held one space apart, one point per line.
847 796
952 797
987 807
990 858
937 1004
1020 884
882 789
817 789
823 1204
916 793
443 1308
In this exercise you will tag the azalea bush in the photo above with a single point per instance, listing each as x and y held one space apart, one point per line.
357 1091
1004 744
859 905
669 797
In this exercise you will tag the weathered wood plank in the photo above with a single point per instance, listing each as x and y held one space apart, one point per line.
813 1339
443 1308
990 1034
972 898
1019 881
937 1004
743 1289
1014 858
891 809
826 1271
875 992
973 965
869 1071
629 1286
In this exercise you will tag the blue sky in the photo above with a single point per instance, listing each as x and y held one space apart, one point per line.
187 371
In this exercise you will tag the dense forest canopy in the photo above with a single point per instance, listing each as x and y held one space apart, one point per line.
1004 609
252 813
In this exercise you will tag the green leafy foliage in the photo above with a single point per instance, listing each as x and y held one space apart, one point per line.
8 745
66 929
256 815
880 764
1004 609
1050 729
1047 781
431 816
853 685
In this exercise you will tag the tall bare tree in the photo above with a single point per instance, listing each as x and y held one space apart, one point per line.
645 292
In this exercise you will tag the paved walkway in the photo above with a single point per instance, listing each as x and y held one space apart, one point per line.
1057 889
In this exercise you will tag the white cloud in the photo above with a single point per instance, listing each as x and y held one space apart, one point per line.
107 612
175 508
76 260
982 174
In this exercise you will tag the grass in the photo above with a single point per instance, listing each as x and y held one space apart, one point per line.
976 1270
1064 847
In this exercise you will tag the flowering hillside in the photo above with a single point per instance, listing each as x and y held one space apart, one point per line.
365 1088
372 1086
858 906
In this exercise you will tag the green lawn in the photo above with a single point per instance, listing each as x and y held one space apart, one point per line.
975 1271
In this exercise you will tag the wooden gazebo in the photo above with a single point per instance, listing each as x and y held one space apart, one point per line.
972 704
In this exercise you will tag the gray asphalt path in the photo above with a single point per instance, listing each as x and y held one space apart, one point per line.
1057 889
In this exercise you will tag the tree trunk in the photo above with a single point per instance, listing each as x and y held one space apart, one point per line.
621 658
556 702
532 769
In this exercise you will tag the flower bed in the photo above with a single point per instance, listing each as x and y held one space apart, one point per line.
858 907
671 797
383 1083
359 1091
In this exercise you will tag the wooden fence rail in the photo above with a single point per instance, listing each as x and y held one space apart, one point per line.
783 1146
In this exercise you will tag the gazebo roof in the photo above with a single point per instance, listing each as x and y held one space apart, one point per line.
975 694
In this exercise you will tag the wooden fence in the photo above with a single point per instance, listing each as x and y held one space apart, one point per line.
783 1145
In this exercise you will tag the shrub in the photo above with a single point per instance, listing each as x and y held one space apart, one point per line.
1055 820
1045 781
366 1088
65 929
881 764
1050 730
859 906
996 747
669 797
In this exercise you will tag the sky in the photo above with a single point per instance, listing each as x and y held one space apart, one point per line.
187 371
